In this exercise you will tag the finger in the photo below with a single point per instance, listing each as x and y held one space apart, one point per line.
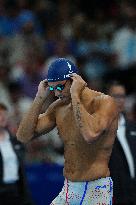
73 78
44 83
73 74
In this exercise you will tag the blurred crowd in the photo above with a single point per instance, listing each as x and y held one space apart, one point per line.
99 38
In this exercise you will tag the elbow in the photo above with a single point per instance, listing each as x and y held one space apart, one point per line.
91 137
22 139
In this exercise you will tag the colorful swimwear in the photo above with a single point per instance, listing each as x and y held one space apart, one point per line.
97 192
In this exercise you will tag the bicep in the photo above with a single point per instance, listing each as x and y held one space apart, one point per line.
105 113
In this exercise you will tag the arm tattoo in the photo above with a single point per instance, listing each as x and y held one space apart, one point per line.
78 115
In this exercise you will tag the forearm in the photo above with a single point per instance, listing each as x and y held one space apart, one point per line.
81 117
90 126
28 124
49 100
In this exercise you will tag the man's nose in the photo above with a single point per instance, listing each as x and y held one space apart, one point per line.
57 92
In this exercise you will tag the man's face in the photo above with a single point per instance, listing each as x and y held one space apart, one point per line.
119 94
3 118
61 89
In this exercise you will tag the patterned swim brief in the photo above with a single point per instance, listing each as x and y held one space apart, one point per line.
97 192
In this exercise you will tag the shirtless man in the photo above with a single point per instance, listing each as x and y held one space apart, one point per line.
86 122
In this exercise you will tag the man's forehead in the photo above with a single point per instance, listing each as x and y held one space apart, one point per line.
56 83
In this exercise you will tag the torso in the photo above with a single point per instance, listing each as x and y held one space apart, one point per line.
83 161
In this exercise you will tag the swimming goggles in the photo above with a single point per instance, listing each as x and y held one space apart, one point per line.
58 87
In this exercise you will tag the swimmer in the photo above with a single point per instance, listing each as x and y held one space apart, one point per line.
87 123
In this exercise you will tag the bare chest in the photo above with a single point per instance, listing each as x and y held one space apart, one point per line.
66 124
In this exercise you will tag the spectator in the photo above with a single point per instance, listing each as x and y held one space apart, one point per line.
48 148
13 187
20 104
25 40
123 159
32 75
124 39
4 93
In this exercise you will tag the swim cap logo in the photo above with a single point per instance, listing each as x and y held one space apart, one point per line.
69 72
69 67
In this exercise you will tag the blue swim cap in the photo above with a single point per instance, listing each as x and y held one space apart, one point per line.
60 70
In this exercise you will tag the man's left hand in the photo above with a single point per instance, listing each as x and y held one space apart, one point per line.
78 84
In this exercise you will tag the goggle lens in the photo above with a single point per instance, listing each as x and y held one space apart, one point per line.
57 87
51 88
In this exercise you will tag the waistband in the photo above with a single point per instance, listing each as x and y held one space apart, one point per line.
93 181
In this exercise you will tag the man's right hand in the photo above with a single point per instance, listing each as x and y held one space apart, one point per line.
43 89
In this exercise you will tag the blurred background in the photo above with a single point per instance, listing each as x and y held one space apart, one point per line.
98 36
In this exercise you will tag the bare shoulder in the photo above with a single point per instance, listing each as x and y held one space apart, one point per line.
102 102
99 97
106 100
